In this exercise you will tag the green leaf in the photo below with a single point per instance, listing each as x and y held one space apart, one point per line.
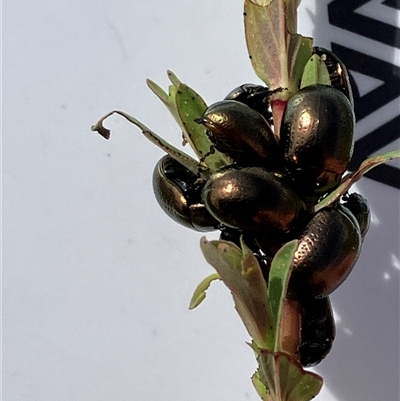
199 294
191 106
300 49
272 43
173 78
167 99
265 31
277 285
315 72
222 251
286 379
243 276
350 179
259 385
191 164
186 105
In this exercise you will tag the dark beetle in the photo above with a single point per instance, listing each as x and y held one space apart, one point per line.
254 96
240 132
252 199
358 206
337 71
178 192
318 331
316 138
328 248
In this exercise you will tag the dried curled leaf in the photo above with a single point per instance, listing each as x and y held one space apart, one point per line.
191 164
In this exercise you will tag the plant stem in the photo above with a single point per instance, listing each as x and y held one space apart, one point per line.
290 328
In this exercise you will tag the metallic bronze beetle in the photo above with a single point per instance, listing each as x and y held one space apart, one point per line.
240 132
178 192
328 248
358 206
252 199
318 331
316 138
254 96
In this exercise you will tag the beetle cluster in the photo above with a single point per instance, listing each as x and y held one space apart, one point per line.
267 195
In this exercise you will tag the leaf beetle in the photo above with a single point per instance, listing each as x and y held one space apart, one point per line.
358 206
318 331
240 132
328 249
252 199
178 192
316 138
254 96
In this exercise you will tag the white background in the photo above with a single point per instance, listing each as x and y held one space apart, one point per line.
96 279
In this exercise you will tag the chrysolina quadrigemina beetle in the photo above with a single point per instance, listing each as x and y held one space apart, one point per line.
240 132
254 96
327 250
178 192
358 206
316 138
318 331
252 199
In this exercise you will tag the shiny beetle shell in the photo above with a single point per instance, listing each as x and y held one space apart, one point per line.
254 96
337 72
358 206
327 250
240 132
178 192
252 199
318 331
316 138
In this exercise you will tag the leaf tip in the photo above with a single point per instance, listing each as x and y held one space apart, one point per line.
173 78
196 301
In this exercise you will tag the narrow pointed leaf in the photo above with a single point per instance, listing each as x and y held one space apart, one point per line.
277 285
199 294
159 92
300 51
167 99
352 178
173 78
